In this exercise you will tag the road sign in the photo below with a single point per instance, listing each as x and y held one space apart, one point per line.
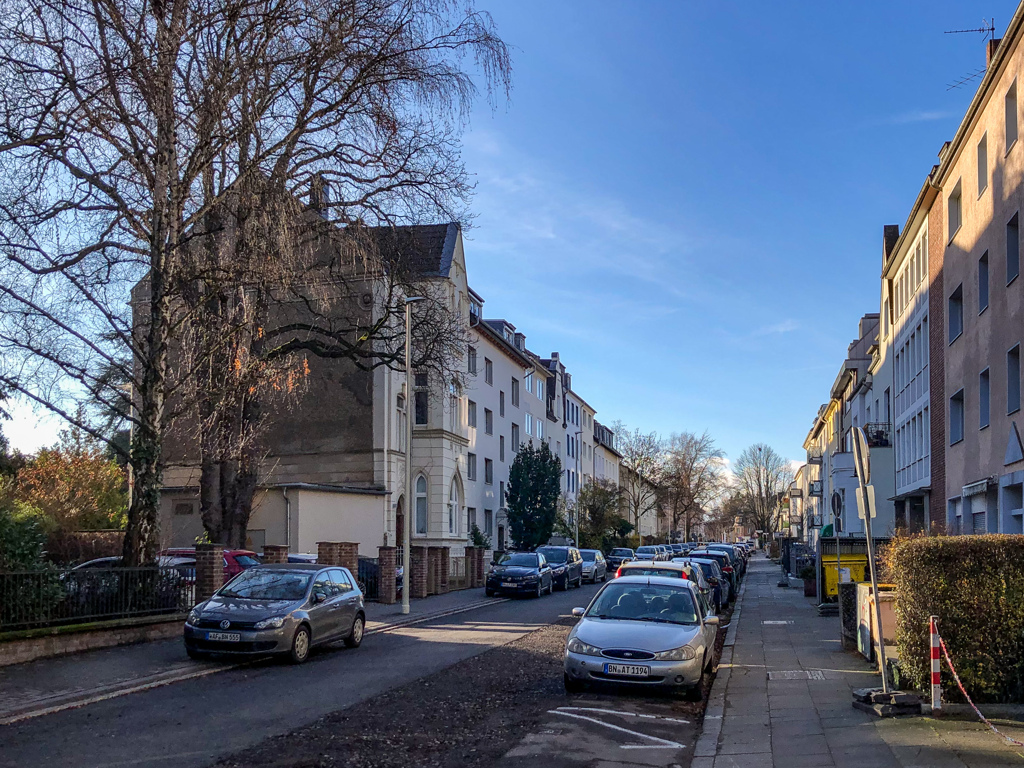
861 457
870 491
837 503
837 525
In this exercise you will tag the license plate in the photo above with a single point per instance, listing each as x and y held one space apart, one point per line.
224 637
627 670
508 584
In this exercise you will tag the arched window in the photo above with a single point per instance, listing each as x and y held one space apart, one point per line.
421 504
453 509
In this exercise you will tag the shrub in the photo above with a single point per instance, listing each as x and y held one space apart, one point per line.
975 586
22 536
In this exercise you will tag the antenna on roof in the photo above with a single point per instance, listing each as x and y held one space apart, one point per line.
966 79
988 27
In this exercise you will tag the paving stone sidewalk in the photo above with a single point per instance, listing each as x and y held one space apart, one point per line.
783 699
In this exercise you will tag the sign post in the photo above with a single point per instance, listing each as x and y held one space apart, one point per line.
862 461
837 528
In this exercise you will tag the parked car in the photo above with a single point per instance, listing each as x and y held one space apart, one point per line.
566 565
649 552
618 556
642 631
657 568
281 608
713 575
677 549
520 573
235 560
727 569
595 567
302 557
738 561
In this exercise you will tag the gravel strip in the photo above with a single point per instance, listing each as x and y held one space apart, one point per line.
466 716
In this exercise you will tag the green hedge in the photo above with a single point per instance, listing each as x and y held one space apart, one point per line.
975 585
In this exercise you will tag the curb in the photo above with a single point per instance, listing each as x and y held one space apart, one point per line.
707 743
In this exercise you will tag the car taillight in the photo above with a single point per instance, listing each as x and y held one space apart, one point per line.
728 569
618 573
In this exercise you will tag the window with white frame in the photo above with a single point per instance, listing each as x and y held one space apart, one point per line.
421 505
471 413
454 509
528 423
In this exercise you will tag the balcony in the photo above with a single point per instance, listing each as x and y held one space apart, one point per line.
814 456
878 434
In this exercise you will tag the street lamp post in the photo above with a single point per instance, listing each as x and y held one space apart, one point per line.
410 501
579 467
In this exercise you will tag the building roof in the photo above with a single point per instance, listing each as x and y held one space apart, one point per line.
334 488
427 248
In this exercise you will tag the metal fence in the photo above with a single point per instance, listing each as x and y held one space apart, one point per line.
458 573
369 577
45 598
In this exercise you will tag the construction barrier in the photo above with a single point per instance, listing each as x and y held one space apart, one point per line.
936 679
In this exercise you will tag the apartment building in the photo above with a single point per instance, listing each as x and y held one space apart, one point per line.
981 178
606 457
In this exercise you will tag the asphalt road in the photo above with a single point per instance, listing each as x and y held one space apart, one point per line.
194 722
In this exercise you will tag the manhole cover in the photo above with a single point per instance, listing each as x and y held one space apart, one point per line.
777 623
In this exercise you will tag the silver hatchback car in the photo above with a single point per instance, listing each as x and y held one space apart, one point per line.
283 608
644 631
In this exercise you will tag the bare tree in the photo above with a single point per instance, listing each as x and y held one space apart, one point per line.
692 480
131 130
762 477
643 464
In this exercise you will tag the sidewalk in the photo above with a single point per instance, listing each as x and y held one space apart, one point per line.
47 685
784 691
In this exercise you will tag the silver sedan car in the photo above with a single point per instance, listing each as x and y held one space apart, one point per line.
643 631
284 608
595 567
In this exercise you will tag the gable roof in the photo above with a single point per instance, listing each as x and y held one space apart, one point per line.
427 248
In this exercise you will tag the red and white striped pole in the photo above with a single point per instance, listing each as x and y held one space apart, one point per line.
936 681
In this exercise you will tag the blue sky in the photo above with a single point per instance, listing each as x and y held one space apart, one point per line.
686 199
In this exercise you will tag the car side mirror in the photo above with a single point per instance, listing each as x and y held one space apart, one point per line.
711 621
319 597
578 612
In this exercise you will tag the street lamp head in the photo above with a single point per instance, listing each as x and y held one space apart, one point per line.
414 299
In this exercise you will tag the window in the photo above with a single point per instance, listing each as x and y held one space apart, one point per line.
515 392
528 422
453 509
982 164
488 421
421 396
501 493
1011 116
540 389
488 522
955 207
515 437
184 507
540 427
1012 250
471 466
471 359
501 404
956 313
501 448
983 399
1013 380
471 413
488 371
489 471
983 283
421 504
956 418
470 518
528 381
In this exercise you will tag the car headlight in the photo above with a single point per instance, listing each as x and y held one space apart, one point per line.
193 617
275 623
686 653
531 577
578 646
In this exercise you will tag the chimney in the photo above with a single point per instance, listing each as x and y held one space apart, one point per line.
990 49
319 196
890 234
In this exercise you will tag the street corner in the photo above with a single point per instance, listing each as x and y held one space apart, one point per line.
599 731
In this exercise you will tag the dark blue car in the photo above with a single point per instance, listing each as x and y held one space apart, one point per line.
520 573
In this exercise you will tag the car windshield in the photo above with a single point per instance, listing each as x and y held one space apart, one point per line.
622 552
706 568
521 559
267 584
246 561
554 555
652 571
661 603
588 555
646 550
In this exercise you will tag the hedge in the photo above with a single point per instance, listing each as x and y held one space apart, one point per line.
975 586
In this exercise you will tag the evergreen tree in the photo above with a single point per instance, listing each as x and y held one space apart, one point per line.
534 484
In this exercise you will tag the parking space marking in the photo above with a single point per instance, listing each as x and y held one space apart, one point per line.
659 743
624 714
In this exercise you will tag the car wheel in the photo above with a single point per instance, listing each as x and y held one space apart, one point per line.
355 637
551 587
300 645
489 592
696 692
540 589
571 685
197 655
579 581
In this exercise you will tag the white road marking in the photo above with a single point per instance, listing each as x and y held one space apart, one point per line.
777 622
623 714
658 743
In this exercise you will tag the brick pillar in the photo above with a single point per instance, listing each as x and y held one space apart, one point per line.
418 575
348 556
387 560
433 555
275 553
328 553
480 557
471 566
209 570
443 569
